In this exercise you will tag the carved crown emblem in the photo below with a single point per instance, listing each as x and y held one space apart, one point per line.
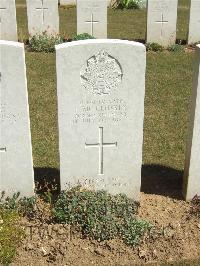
102 74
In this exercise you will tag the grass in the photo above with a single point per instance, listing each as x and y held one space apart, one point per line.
10 235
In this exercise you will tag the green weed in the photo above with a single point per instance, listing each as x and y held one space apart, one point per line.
44 43
100 215
155 47
83 36
176 48
10 234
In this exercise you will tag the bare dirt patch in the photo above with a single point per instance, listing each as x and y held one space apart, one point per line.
176 236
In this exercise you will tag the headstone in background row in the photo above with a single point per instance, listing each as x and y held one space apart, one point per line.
43 17
194 24
8 22
92 18
161 21
192 161
101 89
16 164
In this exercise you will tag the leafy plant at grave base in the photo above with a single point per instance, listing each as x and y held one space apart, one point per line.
22 205
100 215
127 4
83 36
44 43
48 197
10 234
155 47
176 48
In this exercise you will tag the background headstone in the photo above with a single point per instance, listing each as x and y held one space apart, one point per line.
8 22
161 21
101 88
43 17
16 165
92 17
192 161
194 24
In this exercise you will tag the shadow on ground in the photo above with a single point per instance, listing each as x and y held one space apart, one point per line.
162 180
156 179
47 179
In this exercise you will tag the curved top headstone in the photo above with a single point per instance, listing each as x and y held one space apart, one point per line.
101 88
16 164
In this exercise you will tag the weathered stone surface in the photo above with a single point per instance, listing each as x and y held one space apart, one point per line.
101 87
92 17
16 165
194 25
43 17
192 161
161 21
8 22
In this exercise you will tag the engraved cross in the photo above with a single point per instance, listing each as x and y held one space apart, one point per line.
42 9
162 21
2 8
92 22
2 149
101 144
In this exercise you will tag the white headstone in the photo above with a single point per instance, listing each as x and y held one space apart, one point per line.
92 18
43 17
8 22
161 21
16 164
192 161
101 88
194 25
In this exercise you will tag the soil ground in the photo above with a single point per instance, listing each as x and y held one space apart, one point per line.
175 237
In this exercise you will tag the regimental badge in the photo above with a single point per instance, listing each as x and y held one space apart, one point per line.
102 75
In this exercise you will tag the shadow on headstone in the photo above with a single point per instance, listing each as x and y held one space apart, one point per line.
156 179
162 180
47 180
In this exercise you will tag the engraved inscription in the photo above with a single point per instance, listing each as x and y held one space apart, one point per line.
100 111
162 6
101 181
102 74
1 9
90 7
101 144
10 118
